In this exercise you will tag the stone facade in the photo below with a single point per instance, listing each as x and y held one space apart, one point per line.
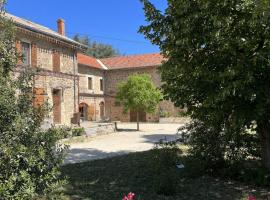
112 77
65 80
92 100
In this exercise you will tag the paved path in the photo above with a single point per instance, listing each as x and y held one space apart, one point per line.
123 142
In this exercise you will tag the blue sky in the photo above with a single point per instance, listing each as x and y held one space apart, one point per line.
114 22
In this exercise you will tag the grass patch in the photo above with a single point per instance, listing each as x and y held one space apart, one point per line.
109 179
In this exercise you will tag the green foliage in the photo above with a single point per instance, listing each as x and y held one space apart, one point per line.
164 161
30 157
78 131
216 149
138 92
164 114
217 64
95 49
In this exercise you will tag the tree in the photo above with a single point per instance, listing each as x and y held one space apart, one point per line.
30 158
217 62
95 49
138 93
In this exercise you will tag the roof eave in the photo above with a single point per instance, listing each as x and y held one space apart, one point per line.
139 67
75 44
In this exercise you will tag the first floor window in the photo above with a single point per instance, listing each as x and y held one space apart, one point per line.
101 84
90 83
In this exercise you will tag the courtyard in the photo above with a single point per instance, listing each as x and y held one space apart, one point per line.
126 140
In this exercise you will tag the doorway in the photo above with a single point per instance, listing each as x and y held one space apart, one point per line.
102 110
133 116
83 111
57 106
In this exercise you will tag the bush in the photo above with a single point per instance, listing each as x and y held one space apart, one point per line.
78 132
30 158
232 153
164 163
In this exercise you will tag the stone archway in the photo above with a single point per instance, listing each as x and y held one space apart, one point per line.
83 107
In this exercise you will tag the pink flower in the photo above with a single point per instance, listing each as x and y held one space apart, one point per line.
251 197
129 197
125 198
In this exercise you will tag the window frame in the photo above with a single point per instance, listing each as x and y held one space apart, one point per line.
30 52
92 81
101 86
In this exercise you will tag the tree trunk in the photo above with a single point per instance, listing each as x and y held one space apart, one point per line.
264 133
138 127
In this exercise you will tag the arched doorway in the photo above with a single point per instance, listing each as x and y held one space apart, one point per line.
83 107
102 110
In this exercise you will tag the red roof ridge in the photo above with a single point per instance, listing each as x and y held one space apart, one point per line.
131 55
122 62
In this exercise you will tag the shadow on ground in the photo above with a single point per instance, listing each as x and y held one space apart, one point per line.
82 155
109 179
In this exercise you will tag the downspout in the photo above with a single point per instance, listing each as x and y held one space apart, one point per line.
74 86
74 80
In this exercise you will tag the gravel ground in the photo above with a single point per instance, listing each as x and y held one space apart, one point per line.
125 141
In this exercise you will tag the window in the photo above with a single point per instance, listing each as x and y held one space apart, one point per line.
90 83
101 84
26 53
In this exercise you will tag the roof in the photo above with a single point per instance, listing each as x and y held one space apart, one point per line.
133 61
26 24
89 61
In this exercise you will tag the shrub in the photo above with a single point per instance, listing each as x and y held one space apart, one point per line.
30 158
78 132
164 163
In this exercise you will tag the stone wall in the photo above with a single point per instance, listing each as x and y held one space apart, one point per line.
93 108
115 111
45 49
69 105
66 80
96 74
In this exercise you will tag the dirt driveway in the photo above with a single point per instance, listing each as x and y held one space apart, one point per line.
126 141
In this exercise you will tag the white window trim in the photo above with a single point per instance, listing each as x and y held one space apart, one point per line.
30 50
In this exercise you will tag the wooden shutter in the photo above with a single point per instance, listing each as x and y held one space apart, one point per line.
56 61
57 106
90 113
34 55
39 97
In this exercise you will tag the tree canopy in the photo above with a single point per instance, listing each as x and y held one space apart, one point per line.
138 93
217 62
96 49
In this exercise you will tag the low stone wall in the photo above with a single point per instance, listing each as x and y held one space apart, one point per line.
100 129
178 120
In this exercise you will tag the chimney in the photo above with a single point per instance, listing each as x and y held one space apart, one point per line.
61 26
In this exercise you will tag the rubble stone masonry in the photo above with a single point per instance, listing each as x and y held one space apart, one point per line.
65 80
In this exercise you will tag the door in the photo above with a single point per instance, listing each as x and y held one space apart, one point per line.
102 108
133 116
57 106
91 112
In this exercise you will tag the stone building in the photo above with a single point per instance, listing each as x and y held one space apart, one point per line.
54 58
97 98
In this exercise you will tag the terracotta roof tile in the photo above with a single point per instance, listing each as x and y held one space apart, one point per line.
134 61
88 61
